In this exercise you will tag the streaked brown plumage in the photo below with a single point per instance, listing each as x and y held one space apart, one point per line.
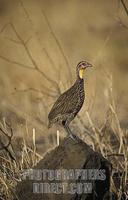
70 102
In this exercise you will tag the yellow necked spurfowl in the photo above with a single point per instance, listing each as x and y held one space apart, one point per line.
70 102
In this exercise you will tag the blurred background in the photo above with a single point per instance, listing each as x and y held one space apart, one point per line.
41 43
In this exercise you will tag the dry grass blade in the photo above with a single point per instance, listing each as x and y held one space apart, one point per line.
9 138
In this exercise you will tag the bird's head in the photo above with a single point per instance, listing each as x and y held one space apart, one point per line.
81 68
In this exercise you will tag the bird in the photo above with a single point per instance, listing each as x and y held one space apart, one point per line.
70 102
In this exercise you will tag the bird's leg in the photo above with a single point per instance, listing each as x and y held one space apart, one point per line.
68 130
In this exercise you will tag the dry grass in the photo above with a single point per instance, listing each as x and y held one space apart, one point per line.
111 140
37 71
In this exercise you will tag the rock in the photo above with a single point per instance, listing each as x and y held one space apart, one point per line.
72 156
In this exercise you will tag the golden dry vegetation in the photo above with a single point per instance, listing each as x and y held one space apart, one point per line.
41 43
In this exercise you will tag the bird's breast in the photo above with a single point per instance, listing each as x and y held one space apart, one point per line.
80 96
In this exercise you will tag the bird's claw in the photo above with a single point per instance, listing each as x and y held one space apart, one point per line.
73 137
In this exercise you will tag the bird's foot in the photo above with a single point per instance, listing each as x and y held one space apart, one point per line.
73 137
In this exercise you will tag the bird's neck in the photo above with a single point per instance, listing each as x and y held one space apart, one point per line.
80 80
80 74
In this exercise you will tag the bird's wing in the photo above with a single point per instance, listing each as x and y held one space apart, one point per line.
65 104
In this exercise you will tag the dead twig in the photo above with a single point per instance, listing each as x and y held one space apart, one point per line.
124 6
58 43
42 92
33 61
35 66
5 146
15 62
9 138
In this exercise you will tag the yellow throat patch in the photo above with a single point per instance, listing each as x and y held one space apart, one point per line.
81 73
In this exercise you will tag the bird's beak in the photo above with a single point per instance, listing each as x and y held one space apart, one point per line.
89 65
